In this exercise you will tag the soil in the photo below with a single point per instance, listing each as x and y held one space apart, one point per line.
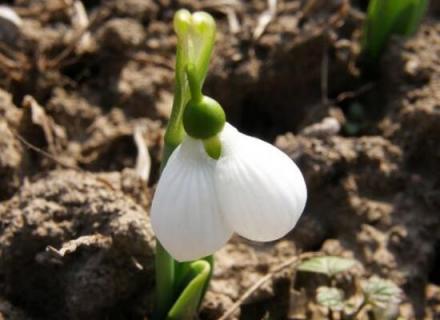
75 238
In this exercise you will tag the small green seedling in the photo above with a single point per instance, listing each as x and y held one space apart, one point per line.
328 265
388 17
332 298
379 296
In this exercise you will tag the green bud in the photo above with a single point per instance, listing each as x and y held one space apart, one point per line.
203 119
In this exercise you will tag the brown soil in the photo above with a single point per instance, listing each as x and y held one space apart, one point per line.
74 245
75 239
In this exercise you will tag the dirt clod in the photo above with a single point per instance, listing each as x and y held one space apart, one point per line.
121 34
91 279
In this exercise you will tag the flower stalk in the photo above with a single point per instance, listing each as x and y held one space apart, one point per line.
217 181
180 286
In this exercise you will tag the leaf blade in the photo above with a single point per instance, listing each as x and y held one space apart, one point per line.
332 298
188 302
328 265
381 293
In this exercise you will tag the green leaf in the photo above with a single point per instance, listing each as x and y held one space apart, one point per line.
388 17
381 19
410 16
332 298
187 304
184 275
165 277
328 265
420 8
381 293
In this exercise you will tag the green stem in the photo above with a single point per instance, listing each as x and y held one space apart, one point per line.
164 263
174 133
210 260
169 287
194 83
165 268
185 308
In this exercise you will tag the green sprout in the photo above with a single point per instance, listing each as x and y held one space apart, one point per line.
388 17
380 296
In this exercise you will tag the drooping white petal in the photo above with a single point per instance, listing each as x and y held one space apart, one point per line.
185 213
261 191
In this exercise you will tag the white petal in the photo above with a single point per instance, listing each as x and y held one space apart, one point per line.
261 190
185 213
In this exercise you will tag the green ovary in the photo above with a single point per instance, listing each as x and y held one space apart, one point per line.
203 119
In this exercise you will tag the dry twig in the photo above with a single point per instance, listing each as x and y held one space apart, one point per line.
71 246
354 94
324 73
265 19
55 62
56 160
52 132
227 7
43 153
80 22
143 161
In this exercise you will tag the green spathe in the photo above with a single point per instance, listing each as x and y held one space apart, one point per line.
196 277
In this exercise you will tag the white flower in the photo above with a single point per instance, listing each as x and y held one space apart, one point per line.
253 189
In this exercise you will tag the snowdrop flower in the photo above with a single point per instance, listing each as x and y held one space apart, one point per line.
252 189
